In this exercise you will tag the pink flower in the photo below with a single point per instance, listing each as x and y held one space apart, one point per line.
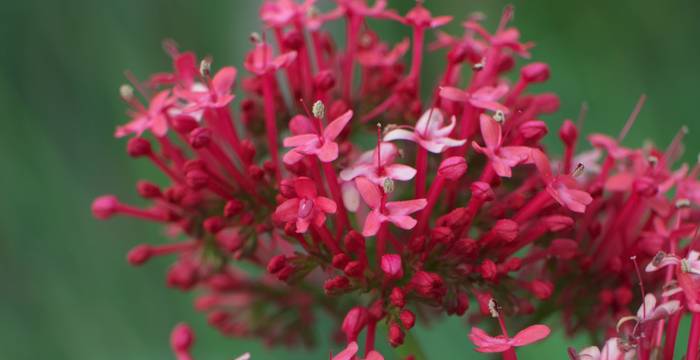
488 344
502 158
351 350
429 132
561 187
281 13
484 98
396 212
306 208
322 145
366 166
260 60
420 17
153 118
217 96
614 349
650 312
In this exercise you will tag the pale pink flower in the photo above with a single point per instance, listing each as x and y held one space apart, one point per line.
218 95
430 132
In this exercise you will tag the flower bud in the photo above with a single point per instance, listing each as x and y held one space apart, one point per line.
148 190
391 266
355 320
354 268
428 284
105 206
354 242
196 179
276 264
564 249
505 229
340 260
200 138
336 285
232 208
482 191
512 264
541 289
568 133
182 338
137 147
184 124
213 224
139 255
408 319
324 81
535 72
182 275
488 270
396 335
547 103
533 130
453 167
397 297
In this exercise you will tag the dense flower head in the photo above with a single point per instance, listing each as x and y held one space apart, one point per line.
277 211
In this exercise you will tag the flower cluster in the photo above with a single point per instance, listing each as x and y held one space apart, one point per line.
280 207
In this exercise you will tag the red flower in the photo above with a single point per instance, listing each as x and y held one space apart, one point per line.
306 208
216 96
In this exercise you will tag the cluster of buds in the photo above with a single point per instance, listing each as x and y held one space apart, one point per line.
457 201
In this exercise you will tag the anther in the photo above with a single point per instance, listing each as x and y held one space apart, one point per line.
319 110
480 65
682 203
126 92
205 67
499 116
578 171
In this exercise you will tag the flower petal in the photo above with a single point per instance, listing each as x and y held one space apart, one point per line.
336 126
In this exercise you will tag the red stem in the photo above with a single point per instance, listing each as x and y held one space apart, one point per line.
270 121
422 171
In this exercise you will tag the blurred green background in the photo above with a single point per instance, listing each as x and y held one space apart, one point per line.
67 291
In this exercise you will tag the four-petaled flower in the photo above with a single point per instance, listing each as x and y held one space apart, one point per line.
154 118
396 212
561 187
488 344
216 96
351 350
306 208
485 97
319 143
428 133
502 158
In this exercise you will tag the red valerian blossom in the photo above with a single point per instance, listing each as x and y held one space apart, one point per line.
277 213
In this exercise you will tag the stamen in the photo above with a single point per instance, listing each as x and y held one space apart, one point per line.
641 286
319 110
255 38
126 92
582 115
388 185
500 117
205 67
653 160
578 171
480 65
632 118
682 203
494 307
